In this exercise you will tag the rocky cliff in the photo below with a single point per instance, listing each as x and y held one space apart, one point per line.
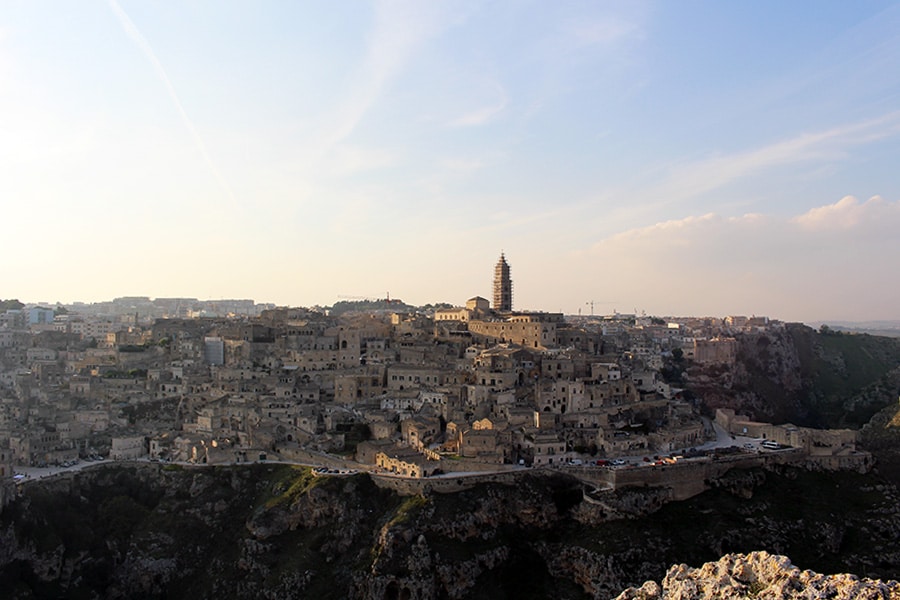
803 376
275 531
759 575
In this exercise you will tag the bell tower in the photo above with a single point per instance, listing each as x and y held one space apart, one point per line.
502 286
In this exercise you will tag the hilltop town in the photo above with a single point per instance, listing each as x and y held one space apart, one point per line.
402 391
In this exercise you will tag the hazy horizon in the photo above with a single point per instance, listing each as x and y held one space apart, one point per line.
888 325
696 158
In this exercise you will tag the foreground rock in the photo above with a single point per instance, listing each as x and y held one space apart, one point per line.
758 575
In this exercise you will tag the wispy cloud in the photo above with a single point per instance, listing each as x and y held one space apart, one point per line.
400 29
784 266
134 33
609 30
484 114
682 182
463 165
348 159
693 179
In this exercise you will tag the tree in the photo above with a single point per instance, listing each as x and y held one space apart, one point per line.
11 305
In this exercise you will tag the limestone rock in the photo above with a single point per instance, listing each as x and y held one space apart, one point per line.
759 575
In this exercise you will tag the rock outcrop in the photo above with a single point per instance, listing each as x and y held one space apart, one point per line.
759 575
276 531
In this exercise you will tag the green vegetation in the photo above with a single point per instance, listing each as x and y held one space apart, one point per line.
131 348
384 305
297 481
129 374
436 306
6 305
810 378
845 363
851 377
402 514
407 510
881 436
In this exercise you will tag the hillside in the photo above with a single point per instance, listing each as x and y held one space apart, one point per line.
267 531
803 376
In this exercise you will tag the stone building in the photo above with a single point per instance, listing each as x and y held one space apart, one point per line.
716 350
502 286
124 448
406 462
404 376
529 332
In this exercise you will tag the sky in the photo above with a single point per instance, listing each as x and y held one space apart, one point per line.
698 158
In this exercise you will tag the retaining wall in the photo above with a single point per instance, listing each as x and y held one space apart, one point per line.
685 479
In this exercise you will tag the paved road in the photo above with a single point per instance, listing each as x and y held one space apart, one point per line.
42 472
723 440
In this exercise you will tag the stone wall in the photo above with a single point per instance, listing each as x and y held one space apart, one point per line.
443 484
307 457
685 478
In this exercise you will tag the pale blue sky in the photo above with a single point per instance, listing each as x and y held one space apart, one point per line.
673 157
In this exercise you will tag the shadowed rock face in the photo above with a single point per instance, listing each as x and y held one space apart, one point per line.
274 531
798 375
758 575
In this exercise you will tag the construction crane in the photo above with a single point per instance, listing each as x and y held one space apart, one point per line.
591 303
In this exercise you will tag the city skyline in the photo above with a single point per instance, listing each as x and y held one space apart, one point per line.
679 159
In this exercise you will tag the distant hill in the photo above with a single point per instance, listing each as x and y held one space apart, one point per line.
883 328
